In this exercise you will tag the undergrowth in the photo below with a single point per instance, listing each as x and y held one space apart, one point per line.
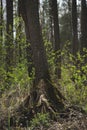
73 83
40 120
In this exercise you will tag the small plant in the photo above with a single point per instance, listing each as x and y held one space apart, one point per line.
40 120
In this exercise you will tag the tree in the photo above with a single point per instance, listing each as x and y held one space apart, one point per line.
54 8
1 32
27 45
44 18
42 87
83 26
65 22
9 35
74 27
39 57
51 26
1 19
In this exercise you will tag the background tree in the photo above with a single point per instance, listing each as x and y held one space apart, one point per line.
1 32
74 28
51 36
20 45
83 26
9 35
1 18
56 45
44 18
65 22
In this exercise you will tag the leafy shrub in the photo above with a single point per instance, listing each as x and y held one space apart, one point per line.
39 120
74 77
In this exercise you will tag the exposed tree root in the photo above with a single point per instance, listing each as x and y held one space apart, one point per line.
43 98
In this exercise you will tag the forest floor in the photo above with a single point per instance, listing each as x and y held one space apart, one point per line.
73 118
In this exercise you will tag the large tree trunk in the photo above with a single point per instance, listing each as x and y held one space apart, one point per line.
30 14
32 22
28 46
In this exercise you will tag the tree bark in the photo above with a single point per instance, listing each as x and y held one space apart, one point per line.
39 56
1 19
1 33
83 26
30 14
9 35
74 27
54 8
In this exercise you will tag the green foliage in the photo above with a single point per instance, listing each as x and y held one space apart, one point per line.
2 79
18 74
74 78
18 77
39 120
74 73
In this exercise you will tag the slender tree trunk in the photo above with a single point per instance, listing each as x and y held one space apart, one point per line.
9 35
51 25
74 27
69 5
43 17
19 33
57 50
1 33
1 19
83 26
